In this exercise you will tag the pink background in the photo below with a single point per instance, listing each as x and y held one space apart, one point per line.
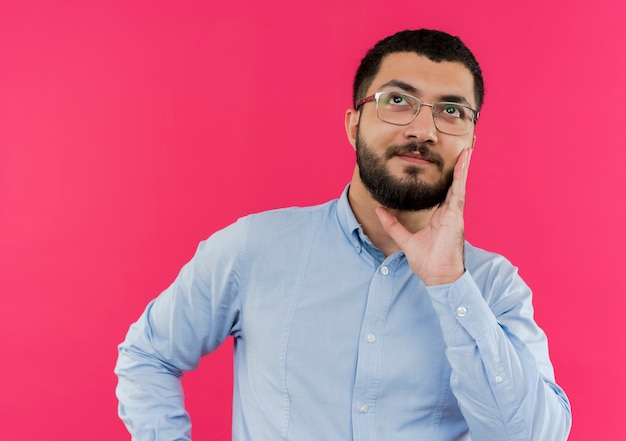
131 130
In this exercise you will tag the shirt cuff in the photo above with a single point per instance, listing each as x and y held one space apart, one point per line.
463 313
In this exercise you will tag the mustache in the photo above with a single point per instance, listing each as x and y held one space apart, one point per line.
413 147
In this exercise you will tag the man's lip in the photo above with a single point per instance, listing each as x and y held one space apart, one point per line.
415 158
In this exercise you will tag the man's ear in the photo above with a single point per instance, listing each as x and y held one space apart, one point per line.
352 123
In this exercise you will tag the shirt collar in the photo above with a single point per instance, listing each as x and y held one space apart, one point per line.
347 221
352 229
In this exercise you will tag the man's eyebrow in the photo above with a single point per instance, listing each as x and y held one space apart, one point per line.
401 85
414 91
455 99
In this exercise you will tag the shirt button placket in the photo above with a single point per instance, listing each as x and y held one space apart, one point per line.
370 351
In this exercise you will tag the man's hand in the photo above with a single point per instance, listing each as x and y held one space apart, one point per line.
435 253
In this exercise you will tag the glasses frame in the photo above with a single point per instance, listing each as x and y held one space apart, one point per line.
377 95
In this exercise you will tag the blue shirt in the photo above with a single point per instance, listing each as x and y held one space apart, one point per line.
335 342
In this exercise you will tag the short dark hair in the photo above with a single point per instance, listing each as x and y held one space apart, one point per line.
435 45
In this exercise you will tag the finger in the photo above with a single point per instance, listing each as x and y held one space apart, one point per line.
394 229
463 165
456 194
468 160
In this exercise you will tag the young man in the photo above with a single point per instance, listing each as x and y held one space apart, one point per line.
369 317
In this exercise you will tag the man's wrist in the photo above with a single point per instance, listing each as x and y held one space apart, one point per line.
443 279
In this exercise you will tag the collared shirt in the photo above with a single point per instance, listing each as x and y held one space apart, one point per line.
335 341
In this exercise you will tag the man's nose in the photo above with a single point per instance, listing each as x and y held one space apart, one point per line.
423 126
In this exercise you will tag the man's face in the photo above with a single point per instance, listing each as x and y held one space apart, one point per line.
410 167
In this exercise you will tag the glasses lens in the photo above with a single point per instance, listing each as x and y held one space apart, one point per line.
453 118
397 108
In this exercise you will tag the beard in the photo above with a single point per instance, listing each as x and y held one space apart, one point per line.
409 193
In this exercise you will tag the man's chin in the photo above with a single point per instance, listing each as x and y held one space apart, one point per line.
411 193
407 201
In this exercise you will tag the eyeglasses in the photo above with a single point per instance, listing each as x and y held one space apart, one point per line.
401 109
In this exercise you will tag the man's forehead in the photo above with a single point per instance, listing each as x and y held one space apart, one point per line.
423 77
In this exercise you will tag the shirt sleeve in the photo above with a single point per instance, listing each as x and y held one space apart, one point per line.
501 373
188 320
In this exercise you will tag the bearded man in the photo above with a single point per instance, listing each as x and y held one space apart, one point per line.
368 317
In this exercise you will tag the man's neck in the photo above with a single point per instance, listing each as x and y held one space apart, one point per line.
364 205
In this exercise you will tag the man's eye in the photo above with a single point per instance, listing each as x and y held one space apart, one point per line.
450 110
397 99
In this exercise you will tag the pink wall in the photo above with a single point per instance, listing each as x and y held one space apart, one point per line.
129 131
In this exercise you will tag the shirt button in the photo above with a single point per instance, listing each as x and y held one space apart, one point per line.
461 311
363 408
371 338
499 378
384 270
